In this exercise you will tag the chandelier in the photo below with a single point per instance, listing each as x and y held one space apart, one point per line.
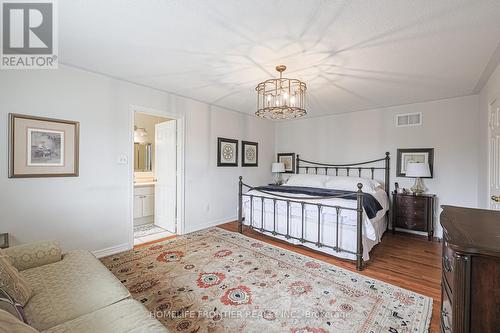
281 98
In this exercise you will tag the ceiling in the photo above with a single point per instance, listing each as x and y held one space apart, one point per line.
353 55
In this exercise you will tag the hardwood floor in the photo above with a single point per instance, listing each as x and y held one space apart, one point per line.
405 260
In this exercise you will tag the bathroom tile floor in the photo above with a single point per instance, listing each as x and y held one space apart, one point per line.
149 232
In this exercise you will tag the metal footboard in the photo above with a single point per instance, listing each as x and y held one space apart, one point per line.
360 169
303 202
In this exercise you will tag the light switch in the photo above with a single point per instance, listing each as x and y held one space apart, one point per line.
122 159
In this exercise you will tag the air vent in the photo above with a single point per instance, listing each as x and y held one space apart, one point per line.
409 119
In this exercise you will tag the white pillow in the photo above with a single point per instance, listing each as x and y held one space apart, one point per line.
309 180
351 184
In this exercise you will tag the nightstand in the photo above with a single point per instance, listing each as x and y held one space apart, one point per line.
413 212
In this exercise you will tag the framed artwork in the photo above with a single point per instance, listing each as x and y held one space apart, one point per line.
288 159
43 147
4 240
227 152
250 154
420 155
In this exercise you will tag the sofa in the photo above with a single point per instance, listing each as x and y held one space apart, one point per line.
74 292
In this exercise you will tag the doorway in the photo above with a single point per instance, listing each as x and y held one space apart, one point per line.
157 175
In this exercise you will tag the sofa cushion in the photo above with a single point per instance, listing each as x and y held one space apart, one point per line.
76 285
125 316
13 282
33 254
7 303
10 324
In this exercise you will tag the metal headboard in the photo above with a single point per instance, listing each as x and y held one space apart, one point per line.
349 168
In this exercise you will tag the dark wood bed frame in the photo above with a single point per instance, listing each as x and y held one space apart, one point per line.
313 168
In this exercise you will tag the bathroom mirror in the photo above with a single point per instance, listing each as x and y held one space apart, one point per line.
143 161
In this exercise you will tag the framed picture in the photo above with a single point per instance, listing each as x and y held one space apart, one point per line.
227 152
42 147
420 155
4 240
250 154
288 159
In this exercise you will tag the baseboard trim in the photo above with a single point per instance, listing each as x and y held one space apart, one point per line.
210 224
112 250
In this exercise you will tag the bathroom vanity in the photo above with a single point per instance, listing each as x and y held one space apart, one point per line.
144 203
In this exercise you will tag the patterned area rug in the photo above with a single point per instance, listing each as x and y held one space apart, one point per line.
219 281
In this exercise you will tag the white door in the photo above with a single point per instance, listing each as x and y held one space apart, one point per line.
165 168
495 155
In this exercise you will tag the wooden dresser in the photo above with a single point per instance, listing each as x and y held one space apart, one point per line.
470 287
413 212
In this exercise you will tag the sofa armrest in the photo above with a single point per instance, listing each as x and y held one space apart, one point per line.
33 255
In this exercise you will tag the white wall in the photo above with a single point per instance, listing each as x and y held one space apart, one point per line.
449 126
82 211
211 190
488 94
92 211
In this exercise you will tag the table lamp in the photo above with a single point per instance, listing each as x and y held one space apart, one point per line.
418 170
278 168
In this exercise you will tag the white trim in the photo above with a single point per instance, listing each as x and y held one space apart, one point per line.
210 224
158 89
181 125
487 203
251 114
112 250
488 71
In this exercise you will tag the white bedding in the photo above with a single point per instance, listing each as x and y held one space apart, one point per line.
372 228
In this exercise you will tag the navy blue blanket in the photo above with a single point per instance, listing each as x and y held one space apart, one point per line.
370 204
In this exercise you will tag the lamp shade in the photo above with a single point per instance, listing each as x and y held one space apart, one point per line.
278 167
418 170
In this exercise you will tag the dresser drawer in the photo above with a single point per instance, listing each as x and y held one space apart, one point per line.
411 223
411 212
412 201
446 311
448 264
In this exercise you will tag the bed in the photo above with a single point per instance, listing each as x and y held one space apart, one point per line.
339 209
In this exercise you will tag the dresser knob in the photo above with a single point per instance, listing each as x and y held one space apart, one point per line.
447 264
444 315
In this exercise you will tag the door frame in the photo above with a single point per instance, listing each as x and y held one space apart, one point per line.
488 198
181 125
